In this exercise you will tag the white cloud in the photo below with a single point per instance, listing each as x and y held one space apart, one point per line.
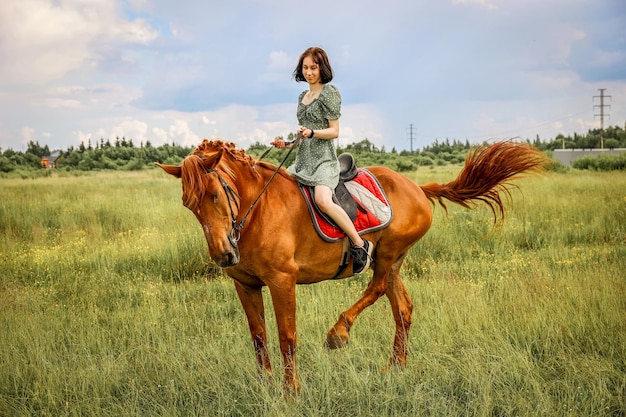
80 69
160 136
360 121
549 82
554 45
60 103
113 96
82 136
279 60
180 132
28 134
482 3
207 121
279 68
45 39
158 132
131 129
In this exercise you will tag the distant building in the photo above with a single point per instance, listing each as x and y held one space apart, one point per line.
567 156
51 160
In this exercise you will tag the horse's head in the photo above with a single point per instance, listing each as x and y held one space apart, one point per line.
209 191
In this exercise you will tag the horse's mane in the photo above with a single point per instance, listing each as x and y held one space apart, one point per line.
207 156
215 150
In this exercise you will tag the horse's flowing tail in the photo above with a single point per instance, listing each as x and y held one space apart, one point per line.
486 175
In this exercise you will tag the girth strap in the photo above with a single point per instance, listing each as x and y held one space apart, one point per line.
345 256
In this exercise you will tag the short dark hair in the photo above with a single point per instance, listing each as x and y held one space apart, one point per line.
320 58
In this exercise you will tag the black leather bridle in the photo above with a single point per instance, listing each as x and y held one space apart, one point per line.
233 199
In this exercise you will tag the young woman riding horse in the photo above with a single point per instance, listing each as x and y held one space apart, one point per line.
316 163
258 234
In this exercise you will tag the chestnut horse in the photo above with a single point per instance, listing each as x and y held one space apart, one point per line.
256 224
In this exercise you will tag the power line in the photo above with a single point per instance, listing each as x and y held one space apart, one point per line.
601 106
410 132
540 125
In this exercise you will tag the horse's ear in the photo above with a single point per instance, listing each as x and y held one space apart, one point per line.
174 170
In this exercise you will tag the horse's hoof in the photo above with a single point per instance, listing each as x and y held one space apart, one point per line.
291 392
395 364
334 341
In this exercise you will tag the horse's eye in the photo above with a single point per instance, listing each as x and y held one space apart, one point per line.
214 196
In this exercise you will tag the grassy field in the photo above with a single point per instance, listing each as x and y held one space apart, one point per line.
109 306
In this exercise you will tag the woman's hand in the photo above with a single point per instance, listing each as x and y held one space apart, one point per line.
305 132
278 143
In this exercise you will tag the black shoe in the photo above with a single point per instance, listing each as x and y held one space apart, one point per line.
362 257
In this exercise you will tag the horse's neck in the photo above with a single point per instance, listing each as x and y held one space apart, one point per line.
266 185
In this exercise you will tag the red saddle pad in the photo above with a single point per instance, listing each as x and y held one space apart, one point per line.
374 211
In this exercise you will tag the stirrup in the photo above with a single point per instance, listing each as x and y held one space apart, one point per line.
362 257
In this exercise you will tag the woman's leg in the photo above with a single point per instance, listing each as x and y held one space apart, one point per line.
362 250
324 200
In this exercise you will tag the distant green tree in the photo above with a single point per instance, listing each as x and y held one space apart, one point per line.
611 143
6 165
36 149
124 155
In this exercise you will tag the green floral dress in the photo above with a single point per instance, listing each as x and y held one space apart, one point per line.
316 161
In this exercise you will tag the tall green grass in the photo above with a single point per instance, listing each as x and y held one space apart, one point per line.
109 306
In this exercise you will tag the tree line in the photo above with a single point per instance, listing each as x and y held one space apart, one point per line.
124 154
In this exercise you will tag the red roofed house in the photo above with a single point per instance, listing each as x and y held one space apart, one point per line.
51 160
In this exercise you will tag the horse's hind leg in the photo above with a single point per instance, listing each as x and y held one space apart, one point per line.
402 308
339 334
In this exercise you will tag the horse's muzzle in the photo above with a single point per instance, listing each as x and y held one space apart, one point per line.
231 256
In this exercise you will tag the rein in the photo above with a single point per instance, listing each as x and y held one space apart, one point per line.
232 196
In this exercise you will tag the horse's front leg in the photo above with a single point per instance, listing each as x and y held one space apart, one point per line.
284 299
252 301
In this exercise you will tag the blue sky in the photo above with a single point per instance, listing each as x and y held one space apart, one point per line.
163 71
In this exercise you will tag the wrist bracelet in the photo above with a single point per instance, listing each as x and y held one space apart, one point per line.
312 133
